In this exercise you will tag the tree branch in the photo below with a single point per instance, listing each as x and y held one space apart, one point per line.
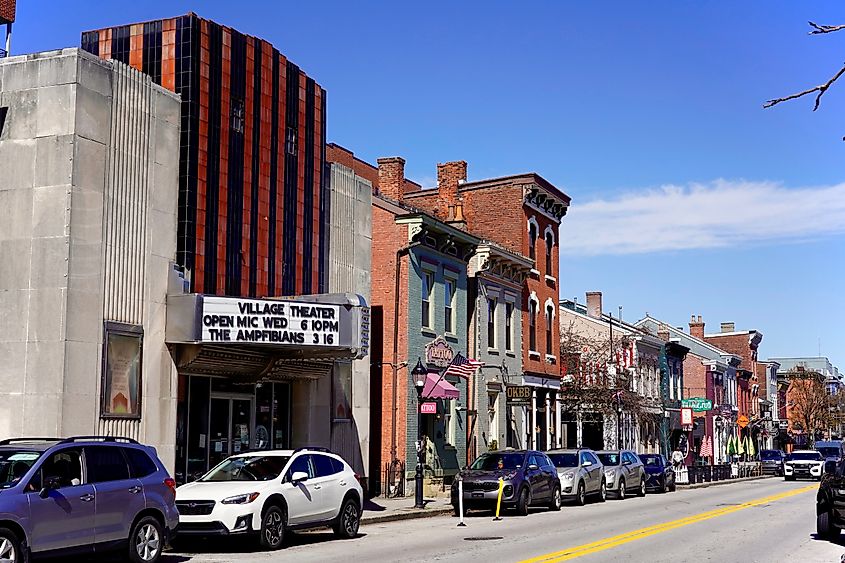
819 29
821 89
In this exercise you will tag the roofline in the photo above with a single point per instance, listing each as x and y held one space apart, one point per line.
491 182
689 336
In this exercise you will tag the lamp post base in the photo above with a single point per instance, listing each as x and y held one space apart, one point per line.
418 487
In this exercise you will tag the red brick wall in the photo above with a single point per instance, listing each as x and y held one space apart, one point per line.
387 239
7 11
695 378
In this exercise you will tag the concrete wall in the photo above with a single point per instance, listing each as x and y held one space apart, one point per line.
349 267
87 231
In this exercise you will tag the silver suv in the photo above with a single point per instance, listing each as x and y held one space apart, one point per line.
64 496
624 472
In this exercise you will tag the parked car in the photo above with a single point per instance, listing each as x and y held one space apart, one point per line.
660 476
529 479
830 449
271 492
581 474
830 500
76 495
772 461
624 472
803 463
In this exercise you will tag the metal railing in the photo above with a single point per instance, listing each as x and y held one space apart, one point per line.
394 479
708 473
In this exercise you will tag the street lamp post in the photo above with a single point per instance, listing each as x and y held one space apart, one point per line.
619 420
419 372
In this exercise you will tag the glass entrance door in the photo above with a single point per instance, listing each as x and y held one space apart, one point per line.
231 425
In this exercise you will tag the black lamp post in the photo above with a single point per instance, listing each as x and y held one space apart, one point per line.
619 420
419 372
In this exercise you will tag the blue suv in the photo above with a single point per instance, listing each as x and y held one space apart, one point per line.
88 493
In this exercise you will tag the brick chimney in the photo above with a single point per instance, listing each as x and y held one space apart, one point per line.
594 304
696 327
663 332
456 216
450 175
727 327
391 177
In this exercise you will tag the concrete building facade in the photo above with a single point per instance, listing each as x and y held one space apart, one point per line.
88 211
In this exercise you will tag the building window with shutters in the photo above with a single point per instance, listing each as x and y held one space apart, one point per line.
491 323
449 286
427 290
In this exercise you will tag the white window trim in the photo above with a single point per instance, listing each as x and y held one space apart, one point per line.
454 319
533 220
494 299
533 299
551 231
512 302
432 299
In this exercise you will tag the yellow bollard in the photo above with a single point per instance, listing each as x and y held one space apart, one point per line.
499 500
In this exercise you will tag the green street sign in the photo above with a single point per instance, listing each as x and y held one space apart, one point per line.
697 404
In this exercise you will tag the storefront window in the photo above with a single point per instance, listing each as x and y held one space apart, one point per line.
121 387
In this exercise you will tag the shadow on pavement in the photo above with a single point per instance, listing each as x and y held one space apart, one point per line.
840 540
245 544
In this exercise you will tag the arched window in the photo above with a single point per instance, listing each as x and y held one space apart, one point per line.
550 318
532 325
550 244
532 240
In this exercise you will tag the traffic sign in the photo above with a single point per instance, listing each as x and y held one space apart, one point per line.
697 404
742 421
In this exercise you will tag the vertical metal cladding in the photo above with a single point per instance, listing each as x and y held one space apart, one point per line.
127 191
252 193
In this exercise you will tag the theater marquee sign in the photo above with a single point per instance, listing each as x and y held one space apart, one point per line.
261 321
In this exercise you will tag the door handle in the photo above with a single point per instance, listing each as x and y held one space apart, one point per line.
317 487
134 490
342 483
87 498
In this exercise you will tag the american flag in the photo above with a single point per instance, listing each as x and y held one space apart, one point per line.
462 366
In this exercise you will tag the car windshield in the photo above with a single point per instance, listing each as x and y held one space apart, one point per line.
806 456
770 455
653 460
609 459
828 451
492 462
14 464
248 468
564 460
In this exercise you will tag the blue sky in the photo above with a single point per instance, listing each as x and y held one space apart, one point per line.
688 198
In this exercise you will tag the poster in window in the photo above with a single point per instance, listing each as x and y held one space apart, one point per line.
122 375
342 392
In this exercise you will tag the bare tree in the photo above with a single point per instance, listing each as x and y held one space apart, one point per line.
821 88
811 405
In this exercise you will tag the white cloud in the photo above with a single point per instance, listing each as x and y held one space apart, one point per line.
718 214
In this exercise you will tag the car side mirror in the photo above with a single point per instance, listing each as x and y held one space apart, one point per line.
533 467
587 464
50 484
830 467
298 477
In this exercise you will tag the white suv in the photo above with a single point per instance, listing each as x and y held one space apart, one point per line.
270 492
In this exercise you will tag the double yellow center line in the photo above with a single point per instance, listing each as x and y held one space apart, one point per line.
607 543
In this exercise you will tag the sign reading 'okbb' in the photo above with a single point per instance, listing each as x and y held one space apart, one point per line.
272 322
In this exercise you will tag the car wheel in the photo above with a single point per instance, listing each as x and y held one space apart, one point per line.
554 505
663 485
11 546
673 486
581 495
146 541
348 520
641 490
523 501
621 490
824 526
272 528
603 491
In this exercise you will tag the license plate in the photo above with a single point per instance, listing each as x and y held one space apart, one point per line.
477 495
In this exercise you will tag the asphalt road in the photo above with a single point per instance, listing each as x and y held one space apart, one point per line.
767 520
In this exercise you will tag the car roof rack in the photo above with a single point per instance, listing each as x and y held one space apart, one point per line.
8 441
73 439
313 449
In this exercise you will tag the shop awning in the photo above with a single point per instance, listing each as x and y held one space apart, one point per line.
436 388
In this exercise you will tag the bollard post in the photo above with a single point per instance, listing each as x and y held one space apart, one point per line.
461 502
499 499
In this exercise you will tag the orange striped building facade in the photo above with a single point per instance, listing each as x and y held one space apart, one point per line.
252 194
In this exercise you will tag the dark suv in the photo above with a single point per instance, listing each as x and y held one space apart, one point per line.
830 500
529 478
62 496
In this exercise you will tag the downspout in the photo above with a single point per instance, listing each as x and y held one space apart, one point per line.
399 253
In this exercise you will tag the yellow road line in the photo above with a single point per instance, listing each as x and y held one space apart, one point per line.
607 543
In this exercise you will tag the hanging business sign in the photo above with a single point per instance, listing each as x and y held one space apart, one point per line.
686 416
697 404
438 353
428 408
225 319
518 394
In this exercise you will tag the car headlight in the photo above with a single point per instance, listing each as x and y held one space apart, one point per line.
567 476
240 499
608 474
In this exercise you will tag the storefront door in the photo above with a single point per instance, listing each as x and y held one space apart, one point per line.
231 425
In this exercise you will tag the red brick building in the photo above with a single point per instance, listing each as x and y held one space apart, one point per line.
522 213
744 344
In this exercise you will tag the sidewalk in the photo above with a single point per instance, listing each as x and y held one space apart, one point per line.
381 509
724 482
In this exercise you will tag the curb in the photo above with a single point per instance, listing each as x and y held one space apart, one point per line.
723 482
397 516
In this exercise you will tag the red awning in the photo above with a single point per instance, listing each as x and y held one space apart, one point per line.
436 388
